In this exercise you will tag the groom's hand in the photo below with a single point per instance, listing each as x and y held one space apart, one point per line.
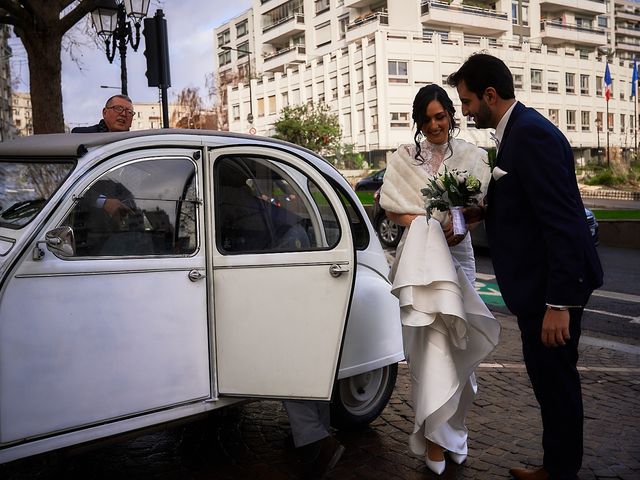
473 214
555 328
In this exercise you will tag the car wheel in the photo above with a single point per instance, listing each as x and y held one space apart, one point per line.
360 399
389 232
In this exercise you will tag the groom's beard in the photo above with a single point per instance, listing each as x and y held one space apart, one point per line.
483 118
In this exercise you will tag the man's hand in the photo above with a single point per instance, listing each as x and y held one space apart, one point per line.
116 209
555 328
473 214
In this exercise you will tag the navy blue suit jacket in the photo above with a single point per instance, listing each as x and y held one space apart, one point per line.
541 247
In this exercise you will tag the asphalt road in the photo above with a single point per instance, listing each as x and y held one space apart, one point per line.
613 312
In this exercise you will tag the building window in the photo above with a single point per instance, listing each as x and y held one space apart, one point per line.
554 115
322 6
517 81
243 50
610 122
536 80
347 125
570 82
603 22
359 79
323 34
552 87
585 121
361 124
261 107
623 89
398 72
525 15
374 122
346 83
333 83
571 120
515 18
224 37
285 99
622 122
598 86
224 58
242 29
236 112
272 104
584 84
343 23
399 120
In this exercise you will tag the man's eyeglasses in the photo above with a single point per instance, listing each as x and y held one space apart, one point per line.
119 109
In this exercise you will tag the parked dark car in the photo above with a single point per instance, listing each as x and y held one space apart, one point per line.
370 183
390 233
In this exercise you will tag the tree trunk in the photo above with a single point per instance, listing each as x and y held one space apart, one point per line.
45 78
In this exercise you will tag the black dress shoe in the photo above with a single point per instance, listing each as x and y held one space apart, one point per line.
526 474
329 451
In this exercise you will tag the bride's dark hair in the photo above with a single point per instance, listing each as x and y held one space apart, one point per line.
424 97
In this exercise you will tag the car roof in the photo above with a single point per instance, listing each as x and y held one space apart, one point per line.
78 144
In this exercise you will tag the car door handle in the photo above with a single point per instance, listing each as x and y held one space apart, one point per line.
195 275
336 270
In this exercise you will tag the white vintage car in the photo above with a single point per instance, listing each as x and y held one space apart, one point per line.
150 276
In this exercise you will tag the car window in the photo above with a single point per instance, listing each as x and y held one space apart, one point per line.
146 207
27 187
359 230
265 206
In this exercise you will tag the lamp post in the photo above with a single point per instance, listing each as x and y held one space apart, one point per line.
110 19
250 116
598 128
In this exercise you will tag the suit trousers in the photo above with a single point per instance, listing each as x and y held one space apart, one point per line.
309 420
556 384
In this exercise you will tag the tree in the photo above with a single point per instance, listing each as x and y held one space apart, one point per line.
310 125
41 24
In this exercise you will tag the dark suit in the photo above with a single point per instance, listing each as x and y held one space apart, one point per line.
542 254
99 127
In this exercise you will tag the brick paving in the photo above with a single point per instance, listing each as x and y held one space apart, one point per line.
250 442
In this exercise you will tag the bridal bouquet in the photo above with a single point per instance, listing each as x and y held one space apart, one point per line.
451 191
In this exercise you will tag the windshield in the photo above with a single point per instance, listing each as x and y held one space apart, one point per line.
25 188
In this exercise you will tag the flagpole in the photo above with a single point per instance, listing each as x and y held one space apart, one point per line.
607 134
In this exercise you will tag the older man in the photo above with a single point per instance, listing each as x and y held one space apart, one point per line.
117 115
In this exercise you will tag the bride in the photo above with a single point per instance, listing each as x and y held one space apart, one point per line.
447 329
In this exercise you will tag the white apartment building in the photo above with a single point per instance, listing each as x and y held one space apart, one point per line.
22 113
367 59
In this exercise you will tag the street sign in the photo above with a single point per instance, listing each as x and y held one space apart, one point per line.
252 131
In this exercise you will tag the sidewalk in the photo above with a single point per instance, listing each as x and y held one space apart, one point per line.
504 422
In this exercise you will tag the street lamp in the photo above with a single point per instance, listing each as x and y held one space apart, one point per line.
250 116
110 21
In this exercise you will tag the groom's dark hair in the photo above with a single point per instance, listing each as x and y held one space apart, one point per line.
482 71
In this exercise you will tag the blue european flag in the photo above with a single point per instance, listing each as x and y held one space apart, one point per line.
634 79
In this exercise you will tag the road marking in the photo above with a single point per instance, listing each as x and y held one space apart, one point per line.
627 297
611 314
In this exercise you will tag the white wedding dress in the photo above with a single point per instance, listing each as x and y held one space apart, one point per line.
447 329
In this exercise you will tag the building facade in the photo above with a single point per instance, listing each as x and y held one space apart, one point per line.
22 113
367 58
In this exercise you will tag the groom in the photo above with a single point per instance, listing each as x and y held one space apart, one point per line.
544 258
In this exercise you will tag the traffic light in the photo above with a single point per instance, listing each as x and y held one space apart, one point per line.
157 51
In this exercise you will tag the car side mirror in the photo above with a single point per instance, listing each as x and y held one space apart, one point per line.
61 241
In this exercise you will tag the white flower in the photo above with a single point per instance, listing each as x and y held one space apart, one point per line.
440 184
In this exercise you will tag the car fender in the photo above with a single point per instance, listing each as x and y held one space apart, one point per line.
374 334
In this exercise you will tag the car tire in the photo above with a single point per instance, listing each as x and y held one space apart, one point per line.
388 232
360 399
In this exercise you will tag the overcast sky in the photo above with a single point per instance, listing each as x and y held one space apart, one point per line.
190 29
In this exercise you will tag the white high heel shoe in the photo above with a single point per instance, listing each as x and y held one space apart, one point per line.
435 466
458 458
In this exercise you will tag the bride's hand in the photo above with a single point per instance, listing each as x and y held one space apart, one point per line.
448 235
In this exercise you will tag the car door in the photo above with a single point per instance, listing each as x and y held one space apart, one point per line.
118 327
283 273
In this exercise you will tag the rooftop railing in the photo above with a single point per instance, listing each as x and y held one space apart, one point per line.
485 12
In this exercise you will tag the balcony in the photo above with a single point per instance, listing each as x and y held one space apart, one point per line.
627 14
556 33
627 46
280 59
358 3
367 25
627 31
590 7
474 20
283 28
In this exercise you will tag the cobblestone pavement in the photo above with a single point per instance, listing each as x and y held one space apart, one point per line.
250 441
